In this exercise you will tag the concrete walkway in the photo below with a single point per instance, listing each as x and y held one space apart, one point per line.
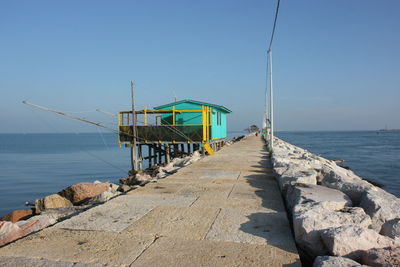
225 210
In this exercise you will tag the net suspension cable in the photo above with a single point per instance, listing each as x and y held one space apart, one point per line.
98 124
48 124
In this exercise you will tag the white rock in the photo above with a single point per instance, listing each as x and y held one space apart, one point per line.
142 177
113 187
279 171
188 161
315 211
305 193
164 171
345 181
125 188
180 162
11 231
280 162
195 156
41 221
103 197
58 214
298 150
173 170
161 174
351 240
381 206
382 257
168 167
6 227
310 219
329 261
297 174
391 229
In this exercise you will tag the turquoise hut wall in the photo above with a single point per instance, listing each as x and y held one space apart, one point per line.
186 118
218 117
219 124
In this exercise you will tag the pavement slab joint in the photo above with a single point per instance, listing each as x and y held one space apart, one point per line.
209 229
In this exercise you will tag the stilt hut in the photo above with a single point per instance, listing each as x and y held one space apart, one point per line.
174 129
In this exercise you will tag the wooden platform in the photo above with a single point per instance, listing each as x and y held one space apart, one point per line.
225 210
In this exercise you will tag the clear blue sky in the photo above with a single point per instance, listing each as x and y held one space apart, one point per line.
336 63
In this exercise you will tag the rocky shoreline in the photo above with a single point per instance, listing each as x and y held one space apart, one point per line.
78 198
82 196
338 218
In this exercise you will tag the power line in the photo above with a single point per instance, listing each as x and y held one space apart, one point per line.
273 28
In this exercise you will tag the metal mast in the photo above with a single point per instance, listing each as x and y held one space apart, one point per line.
271 103
265 122
271 91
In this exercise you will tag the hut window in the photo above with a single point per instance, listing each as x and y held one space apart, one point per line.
218 118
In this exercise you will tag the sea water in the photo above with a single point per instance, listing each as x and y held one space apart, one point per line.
36 165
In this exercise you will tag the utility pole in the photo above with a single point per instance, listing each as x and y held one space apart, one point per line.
265 123
133 144
271 103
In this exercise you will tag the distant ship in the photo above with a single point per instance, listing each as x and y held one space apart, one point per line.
388 130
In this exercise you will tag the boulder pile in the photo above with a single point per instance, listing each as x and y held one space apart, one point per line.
338 218
157 172
50 209
80 197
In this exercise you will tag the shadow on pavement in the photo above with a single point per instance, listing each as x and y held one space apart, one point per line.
271 224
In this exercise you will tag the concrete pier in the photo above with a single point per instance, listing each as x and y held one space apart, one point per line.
225 210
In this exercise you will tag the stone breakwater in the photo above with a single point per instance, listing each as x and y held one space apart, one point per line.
338 218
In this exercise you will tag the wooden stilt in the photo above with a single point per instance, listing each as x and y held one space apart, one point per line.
140 157
167 154
159 154
133 144
149 147
133 159
154 155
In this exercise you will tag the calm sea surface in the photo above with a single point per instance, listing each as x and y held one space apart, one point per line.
35 165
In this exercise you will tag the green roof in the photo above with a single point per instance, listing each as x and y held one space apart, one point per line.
195 102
